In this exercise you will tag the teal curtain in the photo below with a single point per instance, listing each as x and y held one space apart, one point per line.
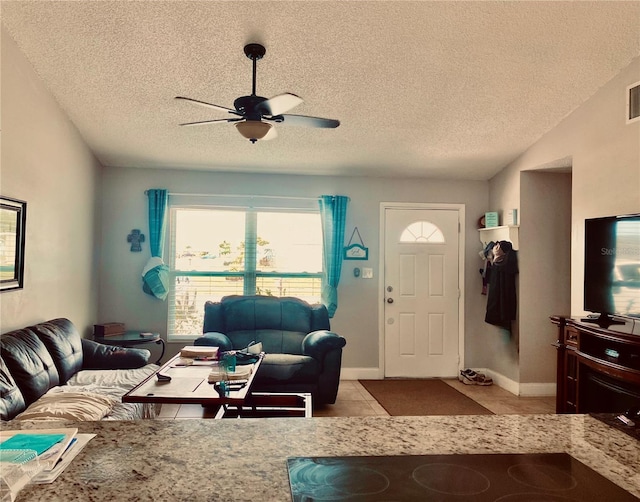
333 212
158 200
155 276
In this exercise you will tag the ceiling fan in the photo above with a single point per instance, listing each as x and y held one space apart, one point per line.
253 114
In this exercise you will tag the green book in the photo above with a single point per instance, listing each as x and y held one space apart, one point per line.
38 442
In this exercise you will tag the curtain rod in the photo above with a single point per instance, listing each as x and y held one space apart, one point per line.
146 192
239 195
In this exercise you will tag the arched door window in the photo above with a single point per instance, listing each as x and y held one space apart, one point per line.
422 232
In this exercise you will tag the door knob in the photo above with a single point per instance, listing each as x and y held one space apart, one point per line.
389 300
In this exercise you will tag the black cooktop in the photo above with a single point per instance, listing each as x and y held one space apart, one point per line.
537 477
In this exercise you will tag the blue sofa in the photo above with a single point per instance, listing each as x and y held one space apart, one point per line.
302 354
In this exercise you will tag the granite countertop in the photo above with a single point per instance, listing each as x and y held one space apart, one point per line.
241 460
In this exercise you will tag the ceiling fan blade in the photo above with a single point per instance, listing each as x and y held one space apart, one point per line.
306 121
271 134
209 105
205 122
280 104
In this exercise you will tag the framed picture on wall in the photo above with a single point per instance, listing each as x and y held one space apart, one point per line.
13 220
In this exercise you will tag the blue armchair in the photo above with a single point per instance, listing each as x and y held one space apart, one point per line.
302 355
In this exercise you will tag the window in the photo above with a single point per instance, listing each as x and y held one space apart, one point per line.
422 232
218 252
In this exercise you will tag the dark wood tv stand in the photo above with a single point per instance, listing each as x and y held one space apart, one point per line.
598 367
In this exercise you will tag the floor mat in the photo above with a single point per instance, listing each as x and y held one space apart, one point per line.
417 397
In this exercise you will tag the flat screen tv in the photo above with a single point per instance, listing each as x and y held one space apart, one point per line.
612 268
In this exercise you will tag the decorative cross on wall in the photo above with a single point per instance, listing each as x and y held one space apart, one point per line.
135 238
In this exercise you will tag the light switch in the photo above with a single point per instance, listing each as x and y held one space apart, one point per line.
367 273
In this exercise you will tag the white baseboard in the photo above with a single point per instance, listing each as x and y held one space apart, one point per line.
517 388
500 380
537 389
360 374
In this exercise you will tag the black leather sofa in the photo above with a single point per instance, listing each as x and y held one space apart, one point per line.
302 354
38 358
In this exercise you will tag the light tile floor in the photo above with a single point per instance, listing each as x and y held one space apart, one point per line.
503 402
354 400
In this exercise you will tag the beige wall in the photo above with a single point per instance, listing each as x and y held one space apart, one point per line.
603 154
45 162
545 270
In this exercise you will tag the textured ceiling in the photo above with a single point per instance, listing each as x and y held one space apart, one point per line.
425 89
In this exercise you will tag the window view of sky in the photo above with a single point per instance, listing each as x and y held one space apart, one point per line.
287 242
295 240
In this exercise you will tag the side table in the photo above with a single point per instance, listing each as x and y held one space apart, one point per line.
132 338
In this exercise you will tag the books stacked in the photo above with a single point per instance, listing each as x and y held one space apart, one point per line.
54 449
219 373
201 352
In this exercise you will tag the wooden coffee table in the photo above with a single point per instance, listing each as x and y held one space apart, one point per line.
190 385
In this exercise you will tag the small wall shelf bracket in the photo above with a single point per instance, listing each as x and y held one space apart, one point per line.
502 233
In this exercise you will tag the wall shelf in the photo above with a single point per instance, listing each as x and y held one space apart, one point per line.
502 233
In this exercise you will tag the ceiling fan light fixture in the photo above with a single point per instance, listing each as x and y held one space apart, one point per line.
248 112
253 130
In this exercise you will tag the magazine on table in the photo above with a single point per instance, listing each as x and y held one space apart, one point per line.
76 446
49 444
55 448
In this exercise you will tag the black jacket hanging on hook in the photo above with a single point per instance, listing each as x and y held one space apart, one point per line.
501 300
485 271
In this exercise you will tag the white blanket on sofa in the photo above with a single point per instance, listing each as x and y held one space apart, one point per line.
116 383
93 395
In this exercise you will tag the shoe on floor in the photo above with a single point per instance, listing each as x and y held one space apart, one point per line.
468 378
482 379
466 374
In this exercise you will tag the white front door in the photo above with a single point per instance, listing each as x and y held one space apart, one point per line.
421 293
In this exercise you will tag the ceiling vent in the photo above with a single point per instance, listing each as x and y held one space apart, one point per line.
633 103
